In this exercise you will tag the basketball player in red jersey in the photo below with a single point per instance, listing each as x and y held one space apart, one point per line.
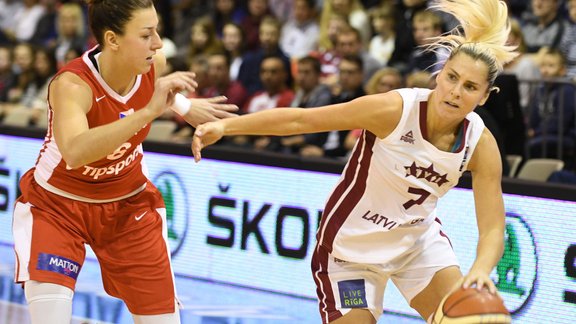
380 222
89 184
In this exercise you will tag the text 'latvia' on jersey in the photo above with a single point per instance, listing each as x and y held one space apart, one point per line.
395 182
121 172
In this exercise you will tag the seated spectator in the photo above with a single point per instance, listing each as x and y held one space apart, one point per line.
300 34
257 11
383 43
405 11
7 78
384 80
568 43
233 41
354 13
546 26
348 43
350 86
203 39
311 93
524 66
420 79
227 11
552 111
269 38
23 68
45 67
276 93
70 25
425 26
26 19
220 83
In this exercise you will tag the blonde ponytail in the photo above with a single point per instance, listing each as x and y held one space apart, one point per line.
483 32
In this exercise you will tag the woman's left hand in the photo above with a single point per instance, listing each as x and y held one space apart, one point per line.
479 280
205 110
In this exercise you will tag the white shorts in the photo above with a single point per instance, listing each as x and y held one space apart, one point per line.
342 286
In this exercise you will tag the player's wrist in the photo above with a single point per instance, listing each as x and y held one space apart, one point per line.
181 105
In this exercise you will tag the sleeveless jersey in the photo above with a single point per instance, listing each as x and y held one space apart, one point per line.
121 173
386 197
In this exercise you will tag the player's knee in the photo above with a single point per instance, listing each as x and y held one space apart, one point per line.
42 291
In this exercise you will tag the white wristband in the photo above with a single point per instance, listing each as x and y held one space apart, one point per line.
181 104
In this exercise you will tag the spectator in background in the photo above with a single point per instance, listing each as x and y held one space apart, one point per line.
249 74
327 39
310 93
274 77
7 77
26 20
220 82
233 42
420 79
283 10
257 10
203 39
46 33
348 43
331 144
383 43
45 68
8 10
545 27
552 111
23 68
300 33
405 11
524 66
426 25
354 13
71 27
384 80
226 11
568 43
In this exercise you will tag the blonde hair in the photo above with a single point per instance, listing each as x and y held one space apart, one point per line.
484 34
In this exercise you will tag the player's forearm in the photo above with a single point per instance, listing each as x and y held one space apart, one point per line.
277 121
98 142
489 251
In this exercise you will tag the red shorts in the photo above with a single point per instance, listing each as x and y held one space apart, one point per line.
126 235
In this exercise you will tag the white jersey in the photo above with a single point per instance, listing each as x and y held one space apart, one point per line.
387 195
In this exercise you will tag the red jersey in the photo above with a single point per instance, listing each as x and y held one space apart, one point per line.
121 173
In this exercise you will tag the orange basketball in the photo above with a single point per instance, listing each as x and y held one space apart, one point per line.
470 305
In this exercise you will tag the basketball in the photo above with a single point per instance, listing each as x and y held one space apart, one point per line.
471 306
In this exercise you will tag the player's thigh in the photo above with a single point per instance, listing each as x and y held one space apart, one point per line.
444 281
356 316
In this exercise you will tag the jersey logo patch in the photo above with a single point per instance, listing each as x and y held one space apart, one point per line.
58 264
352 293
408 137
126 113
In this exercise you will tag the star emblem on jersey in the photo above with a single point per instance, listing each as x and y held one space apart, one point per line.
428 174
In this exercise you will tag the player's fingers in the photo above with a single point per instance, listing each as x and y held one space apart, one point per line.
196 148
217 99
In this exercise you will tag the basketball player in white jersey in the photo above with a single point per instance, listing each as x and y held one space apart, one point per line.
89 184
380 221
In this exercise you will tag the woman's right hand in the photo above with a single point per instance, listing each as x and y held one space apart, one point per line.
166 87
206 134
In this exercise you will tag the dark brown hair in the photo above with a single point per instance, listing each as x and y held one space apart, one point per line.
112 15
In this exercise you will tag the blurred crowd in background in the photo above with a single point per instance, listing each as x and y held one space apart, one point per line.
263 54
